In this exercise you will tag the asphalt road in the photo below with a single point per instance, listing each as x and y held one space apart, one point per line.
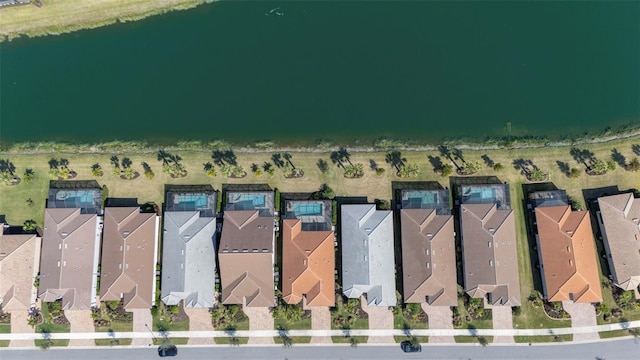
627 349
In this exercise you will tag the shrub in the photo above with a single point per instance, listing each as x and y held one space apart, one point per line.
574 173
29 226
149 174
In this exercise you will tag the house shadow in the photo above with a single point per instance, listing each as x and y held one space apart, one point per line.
530 228
121 202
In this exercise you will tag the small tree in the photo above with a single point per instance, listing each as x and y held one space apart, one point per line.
498 167
634 165
574 173
611 165
209 169
29 175
537 175
599 167
446 170
29 226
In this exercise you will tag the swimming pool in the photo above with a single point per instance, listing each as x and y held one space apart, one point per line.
479 193
422 197
307 209
195 201
255 200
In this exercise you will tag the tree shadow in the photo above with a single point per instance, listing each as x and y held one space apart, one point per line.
146 166
436 162
523 165
115 161
636 149
341 156
277 160
126 162
6 165
582 156
564 167
618 158
487 161
227 157
53 164
373 165
322 165
395 159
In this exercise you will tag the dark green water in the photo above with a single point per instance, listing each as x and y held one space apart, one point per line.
339 70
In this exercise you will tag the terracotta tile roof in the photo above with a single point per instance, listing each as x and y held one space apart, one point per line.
129 256
69 260
620 225
428 257
19 258
490 258
568 256
308 262
245 258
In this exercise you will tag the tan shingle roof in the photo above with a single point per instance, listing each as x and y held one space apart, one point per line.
245 258
490 258
19 258
308 262
129 253
568 256
68 265
621 234
428 257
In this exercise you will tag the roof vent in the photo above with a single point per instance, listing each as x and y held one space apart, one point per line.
265 250
187 236
570 232
429 235
245 250
65 234
126 233
492 230
234 250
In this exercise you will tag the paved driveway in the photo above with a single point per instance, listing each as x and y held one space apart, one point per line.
81 322
19 325
320 320
502 319
142 321
259 319
199 320
380 318
582 315
440 317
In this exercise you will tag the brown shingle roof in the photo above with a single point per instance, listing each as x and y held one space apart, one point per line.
620 227
308 262
129 253
428 257
568 255
490 258
19 257
68 265
245 258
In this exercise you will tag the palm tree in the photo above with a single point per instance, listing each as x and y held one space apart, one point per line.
277 160
164 157
536 174
409 170
29 175
115 161
53 164
64 163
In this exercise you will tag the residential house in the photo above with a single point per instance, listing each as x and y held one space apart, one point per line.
246 250
566 251
428 248
490 259
619 220
308 254
19 265
71 244
129 257
188 248
368 264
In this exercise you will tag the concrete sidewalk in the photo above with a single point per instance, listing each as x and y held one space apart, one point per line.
273 333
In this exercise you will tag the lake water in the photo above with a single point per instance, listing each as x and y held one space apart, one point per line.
298 71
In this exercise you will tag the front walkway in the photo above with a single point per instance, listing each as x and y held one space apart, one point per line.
439 317
260 318
19 324
583 314
320 320
380 318
81 322
502 319
199 320
142 322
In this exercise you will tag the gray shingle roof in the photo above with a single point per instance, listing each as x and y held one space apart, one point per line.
368 264
188 259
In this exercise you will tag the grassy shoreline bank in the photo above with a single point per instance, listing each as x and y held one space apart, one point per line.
624 134
56 17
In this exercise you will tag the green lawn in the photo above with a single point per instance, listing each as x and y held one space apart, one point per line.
535 318
109 342
170 326
174 341
302 324
347 339
421 339
543 338
613 333
486 323
4 343
403 319
294 340
116 326
5 329
473 339
56 342
227 340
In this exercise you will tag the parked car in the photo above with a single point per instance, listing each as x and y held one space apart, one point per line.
408 347
167 350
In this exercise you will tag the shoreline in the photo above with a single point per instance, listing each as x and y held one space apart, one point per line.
628 134
62 17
